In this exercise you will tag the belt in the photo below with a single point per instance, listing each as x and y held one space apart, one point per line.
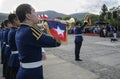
78 34
14 52
43 50
4 42
31 65
7 45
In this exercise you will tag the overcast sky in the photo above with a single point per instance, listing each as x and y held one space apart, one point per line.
61 6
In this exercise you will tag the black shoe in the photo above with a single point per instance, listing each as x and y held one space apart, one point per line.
78 59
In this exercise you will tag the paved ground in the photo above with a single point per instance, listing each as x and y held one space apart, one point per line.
99 55
101 60
56 68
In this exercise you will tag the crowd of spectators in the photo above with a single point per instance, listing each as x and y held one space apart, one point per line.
102 30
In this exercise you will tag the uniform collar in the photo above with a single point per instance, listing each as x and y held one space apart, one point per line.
14 27
25 24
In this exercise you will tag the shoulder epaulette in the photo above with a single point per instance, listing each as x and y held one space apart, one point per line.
36 32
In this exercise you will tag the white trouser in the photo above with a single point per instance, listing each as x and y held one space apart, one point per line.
115 35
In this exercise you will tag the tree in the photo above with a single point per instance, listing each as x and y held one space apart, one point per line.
115 16
67 17
104 10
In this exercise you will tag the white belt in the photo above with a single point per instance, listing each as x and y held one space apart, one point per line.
78 34
31 65
14 52
4 42
43 50
7 45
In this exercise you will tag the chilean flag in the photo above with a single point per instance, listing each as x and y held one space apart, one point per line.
89 20
43 16
58 30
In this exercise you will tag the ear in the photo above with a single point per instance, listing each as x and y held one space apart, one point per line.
28 16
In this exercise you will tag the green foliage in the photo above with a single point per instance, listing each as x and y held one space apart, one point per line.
104 10
93 18
59 18
113 21
107 17
67 17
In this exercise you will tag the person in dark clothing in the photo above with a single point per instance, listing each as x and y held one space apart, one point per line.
30 41
78 39
1 40
5 46
13 62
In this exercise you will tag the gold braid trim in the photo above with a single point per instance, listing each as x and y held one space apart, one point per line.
36 32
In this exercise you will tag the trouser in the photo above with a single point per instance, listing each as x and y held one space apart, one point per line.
77 49
2 53
1 56
13 72
8 73
5 61
4 69
30 73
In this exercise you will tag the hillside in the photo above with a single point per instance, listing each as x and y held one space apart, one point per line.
51 14
79 15
3 16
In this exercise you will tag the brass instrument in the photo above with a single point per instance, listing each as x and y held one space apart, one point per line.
70 23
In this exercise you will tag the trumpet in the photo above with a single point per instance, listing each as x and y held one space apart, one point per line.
70 23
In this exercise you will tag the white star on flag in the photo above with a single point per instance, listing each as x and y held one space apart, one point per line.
59 31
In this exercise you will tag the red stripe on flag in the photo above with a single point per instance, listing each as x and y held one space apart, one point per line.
89 20
60 36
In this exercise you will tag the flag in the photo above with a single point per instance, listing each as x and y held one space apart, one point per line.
89 20
57 30
43 16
